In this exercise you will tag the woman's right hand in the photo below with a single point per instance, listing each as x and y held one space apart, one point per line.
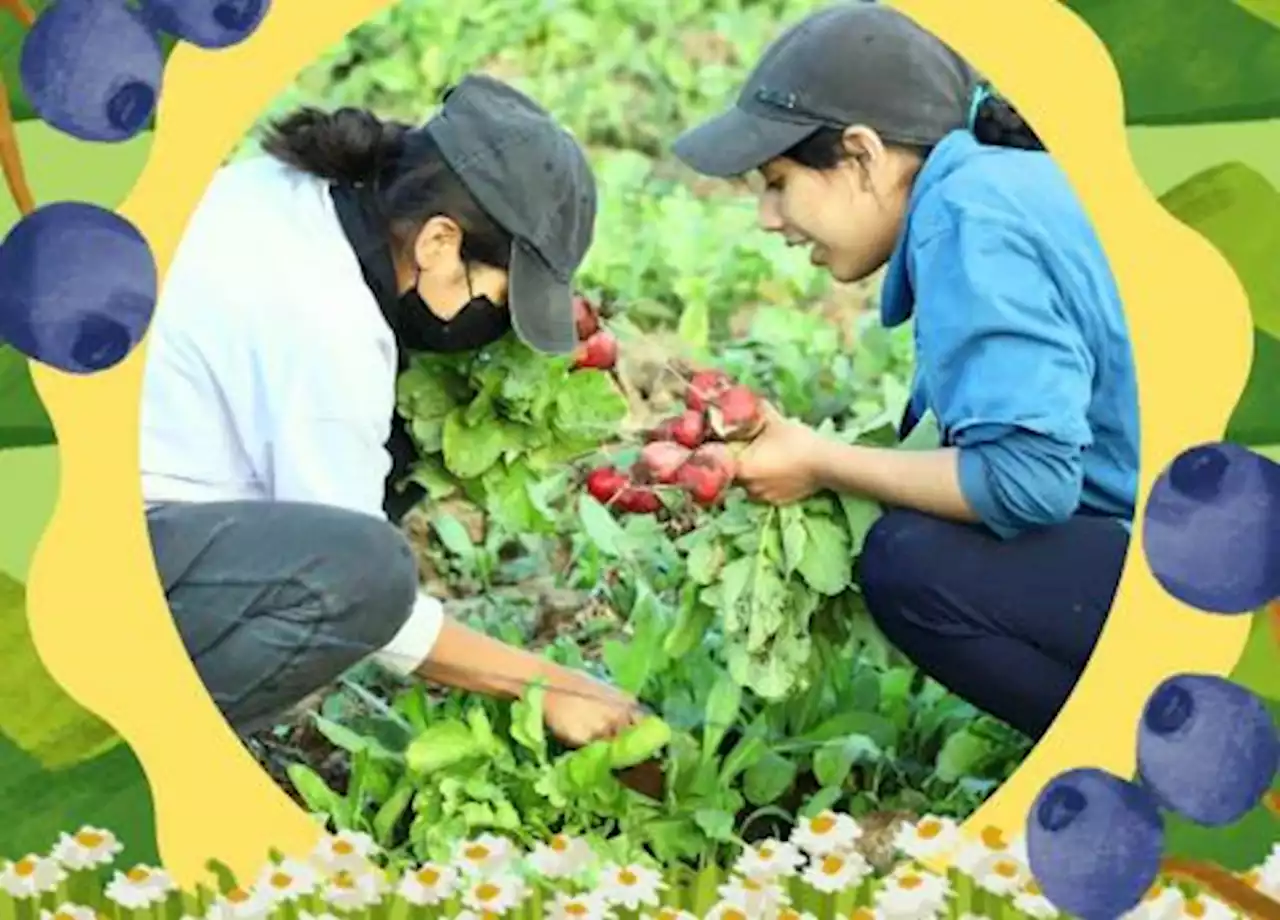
579 709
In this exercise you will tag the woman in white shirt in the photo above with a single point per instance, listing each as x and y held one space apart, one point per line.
269 432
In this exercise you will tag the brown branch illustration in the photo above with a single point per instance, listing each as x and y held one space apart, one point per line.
19 10
1224 885
11 157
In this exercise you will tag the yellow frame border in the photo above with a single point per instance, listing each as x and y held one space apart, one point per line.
100 621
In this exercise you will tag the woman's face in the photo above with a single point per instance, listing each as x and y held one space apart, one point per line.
443 275
849 215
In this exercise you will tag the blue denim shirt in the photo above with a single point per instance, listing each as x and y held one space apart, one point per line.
1022 348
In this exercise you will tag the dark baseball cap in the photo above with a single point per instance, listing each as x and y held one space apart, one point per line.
533 178
849 63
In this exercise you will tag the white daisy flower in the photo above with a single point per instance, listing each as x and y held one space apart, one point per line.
975 857
428 885
1031 901
487 854
142 886
836 872
1161 902
494 894
827 832
1266 877
87 848
238 904
562 857
929 838
31 876
631 886
290 880
758 897
725 910
349 851
351 891
588 906
787 913
1001 875
912 892
866 913
1207 907
69 912
769 859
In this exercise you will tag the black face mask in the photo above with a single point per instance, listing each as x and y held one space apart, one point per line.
479 323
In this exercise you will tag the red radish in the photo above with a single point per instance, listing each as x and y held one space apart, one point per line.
660 461
705 387
737 415
707 474
690 429
665 430
605 483
600 351
585 318
639 500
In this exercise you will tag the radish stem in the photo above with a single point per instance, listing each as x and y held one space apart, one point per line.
1223 884
10 155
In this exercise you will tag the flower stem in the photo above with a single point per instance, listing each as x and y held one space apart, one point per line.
1224 885
10 155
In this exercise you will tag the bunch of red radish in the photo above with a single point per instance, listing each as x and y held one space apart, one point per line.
597 347
691 451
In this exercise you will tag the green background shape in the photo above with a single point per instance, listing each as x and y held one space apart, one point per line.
1202 88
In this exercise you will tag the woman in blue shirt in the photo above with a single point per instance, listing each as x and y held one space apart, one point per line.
879 147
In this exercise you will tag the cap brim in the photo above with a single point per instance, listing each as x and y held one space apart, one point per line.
541 305
736 142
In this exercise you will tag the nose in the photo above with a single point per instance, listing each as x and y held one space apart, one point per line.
768 214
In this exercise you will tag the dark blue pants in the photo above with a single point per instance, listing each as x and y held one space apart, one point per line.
1008 625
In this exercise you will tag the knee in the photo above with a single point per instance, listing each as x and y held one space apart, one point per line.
378 580
893 568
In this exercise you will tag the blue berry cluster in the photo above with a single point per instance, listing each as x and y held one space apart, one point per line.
80 281
1207 748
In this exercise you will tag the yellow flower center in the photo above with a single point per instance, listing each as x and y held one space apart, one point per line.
823 824
993 838
576 909
559 843
137 875
343 848
766 852
1033 889
476 852
63 915
344 879
89 839
788 914
25 867
281 880
487 891
832 864
1156 890
928 829
428 876
1006 869
734 914
1196 908
627 877
910 881
237 896
863 913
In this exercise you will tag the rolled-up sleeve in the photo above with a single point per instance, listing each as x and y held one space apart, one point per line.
1007 372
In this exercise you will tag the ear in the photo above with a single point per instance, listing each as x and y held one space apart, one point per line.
864 144
438 245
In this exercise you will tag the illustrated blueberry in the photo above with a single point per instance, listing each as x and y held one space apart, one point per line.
92 69
79 287
1094 843
1207 748
1211 528
207 23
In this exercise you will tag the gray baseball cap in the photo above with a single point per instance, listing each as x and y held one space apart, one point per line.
849 63
533 178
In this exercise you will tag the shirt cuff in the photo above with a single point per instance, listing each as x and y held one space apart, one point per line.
977 491
406 652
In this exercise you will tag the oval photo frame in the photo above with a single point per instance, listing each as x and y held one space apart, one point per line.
99 618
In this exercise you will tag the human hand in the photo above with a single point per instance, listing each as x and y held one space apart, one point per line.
777 466
579 709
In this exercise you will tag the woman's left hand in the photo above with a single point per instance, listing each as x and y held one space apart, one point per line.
778 466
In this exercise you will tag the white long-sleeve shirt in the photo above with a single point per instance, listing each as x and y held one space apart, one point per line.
270 371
